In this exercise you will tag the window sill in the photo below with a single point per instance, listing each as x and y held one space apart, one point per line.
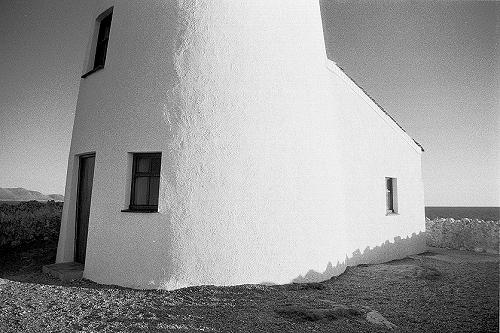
391 214
98 68
148 211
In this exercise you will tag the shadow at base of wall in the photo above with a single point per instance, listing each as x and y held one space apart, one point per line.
26 266
387 251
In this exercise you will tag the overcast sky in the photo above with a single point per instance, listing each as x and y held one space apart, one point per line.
433 65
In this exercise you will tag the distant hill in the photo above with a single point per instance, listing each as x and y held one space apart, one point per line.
22 194
57 197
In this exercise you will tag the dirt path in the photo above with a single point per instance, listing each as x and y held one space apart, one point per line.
457 256
422 294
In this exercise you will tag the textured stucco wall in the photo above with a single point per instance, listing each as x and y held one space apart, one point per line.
374 147
261 146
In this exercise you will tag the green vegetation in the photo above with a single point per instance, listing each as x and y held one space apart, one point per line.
29 221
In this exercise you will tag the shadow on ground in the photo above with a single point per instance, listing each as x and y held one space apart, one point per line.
423 293
24 264
399 248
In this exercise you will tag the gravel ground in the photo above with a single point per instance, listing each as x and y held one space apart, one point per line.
418 294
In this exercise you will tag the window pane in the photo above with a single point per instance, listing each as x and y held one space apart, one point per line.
389 194
156 165
154 189
141 191
102 41
106 28
100 54
143 164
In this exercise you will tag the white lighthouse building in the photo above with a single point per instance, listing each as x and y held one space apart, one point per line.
214 143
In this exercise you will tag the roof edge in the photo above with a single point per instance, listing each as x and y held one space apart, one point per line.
339 71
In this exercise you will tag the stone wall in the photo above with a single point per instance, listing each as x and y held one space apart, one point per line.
464 234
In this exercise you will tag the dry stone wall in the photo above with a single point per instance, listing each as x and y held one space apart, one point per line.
465 234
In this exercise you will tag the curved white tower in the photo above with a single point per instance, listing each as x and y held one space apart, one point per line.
250 124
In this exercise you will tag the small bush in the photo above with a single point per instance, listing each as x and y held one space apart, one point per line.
29 221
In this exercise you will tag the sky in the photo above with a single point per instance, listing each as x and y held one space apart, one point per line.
433 65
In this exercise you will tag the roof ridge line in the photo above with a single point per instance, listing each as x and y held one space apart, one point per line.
375 102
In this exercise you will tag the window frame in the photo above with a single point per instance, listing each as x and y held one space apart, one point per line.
391 198
97 48
135 174
101 47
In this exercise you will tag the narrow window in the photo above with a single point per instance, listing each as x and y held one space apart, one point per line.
102 41
145 182
97 57
391 198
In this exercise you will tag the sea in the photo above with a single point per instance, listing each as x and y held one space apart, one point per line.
481 213
431 212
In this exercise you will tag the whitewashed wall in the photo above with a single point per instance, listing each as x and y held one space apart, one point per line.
375 147
272 165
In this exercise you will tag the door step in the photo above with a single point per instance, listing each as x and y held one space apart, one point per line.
66 271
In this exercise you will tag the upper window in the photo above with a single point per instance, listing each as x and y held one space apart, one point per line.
145 181
391 195
102 40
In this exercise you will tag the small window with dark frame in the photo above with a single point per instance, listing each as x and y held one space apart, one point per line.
102 39
391 198
145 181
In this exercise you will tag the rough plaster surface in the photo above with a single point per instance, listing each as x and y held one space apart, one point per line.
273 164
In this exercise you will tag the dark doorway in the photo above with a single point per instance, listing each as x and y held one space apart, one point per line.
84 196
